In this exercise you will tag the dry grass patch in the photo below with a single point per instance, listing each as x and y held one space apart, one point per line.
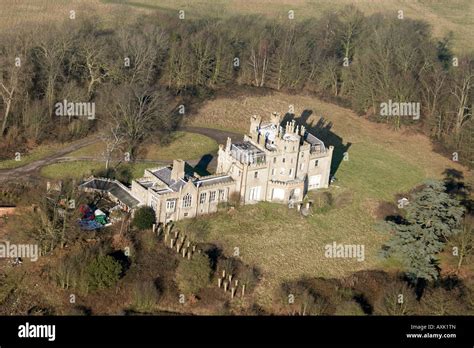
366 138
443 16
284 245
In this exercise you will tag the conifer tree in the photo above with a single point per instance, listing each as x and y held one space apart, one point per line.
430 219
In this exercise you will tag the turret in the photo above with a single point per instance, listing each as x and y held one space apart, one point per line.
255 123
275 118
302 130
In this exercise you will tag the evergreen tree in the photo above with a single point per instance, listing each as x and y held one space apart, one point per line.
431 217
144 218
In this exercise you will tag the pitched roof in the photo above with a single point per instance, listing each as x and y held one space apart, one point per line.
164 174
113 187
221 179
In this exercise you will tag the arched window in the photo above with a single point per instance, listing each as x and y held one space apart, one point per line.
187 200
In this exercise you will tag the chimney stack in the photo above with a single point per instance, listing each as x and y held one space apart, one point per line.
178 170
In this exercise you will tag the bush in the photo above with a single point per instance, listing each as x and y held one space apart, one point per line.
439 301
397 298
103 272
323 201
145 297
193 275
198 229
122 173
144 218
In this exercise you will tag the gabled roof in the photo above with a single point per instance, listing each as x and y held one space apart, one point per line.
113 187
164 174
313 141
214 180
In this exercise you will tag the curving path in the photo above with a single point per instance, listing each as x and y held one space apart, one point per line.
32 169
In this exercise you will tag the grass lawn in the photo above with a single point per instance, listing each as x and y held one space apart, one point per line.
81 169
183 145
76 169
36 154
381 163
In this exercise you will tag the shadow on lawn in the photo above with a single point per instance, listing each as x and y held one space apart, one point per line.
202 167
322 130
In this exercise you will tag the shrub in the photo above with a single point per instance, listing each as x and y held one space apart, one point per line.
198 229
122 173
103 272
397 298
144 218
193 275
323 201
145 297
439 301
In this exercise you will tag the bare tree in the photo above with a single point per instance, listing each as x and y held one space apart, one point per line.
464 241
462 93
112 138
142 52
14 72
261 48
136 112
95 62
52 49
351 26
433 79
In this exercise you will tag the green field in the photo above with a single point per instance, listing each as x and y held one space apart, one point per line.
76 169
188 146
381 162
183 145
82 169
37 153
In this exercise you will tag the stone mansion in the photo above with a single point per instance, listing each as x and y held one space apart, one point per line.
272 163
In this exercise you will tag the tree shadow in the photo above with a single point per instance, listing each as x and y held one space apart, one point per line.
214 252
201 168
455 186
322 130
364 303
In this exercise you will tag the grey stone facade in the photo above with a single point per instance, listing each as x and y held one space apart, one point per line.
271 163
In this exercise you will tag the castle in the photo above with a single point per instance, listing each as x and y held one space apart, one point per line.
272 163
